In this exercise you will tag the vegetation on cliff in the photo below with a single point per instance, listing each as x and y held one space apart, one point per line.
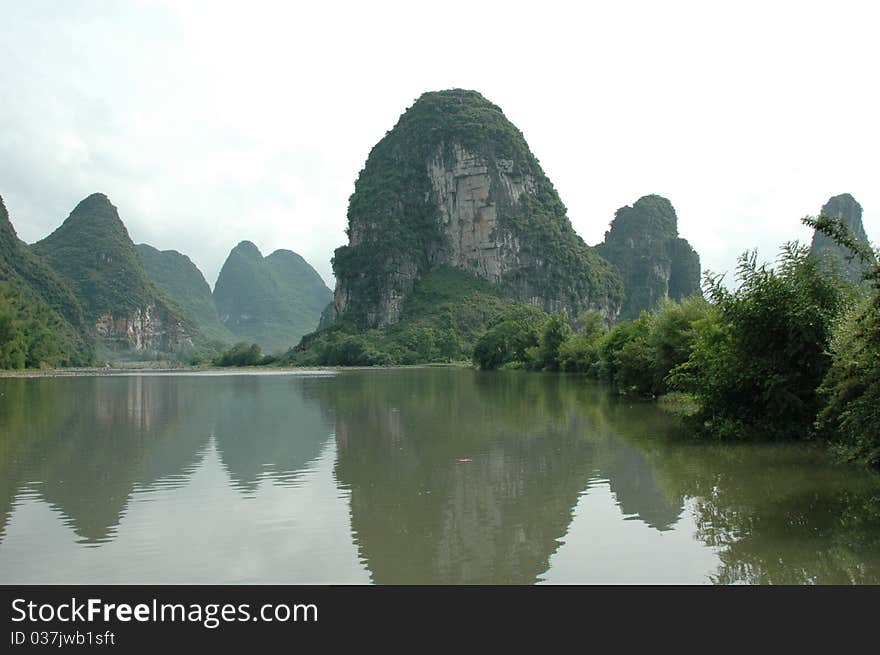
87 279
447 310
93 253
183 283
396 235
655 263
41 322
272 301
835 256
33 335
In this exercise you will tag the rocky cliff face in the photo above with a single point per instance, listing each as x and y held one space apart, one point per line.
94 255
468 211
655 263
454 184
833 255
144 328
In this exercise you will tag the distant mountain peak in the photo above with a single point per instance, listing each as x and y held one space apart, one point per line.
651 212
95 202
273 300
92 251
98 211
247 249
846 207
833 255
654 261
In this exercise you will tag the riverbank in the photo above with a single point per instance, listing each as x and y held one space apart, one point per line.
128 368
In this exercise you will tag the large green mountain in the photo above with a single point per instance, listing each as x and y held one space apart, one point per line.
41 322
272 301
832 254
655 263
94 255
176 275
454 184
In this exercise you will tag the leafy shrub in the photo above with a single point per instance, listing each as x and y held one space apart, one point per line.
554 334
580 352
241 354
32 335
624 356
509 337
851 390
850 416
673 331
755 369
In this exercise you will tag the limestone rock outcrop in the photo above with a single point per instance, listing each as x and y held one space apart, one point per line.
654 261
833 255
455 185
92 252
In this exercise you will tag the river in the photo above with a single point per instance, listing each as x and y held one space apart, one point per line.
414 475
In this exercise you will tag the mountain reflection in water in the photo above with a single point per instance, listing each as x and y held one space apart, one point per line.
423 475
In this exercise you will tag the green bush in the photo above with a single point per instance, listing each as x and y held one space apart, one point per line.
555 333
32 335
850 416
580 353
624 356
241 354
672 336
756 366
509 337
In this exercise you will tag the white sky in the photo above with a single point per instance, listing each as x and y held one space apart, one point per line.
207 123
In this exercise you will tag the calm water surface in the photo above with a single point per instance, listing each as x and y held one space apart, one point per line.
405 476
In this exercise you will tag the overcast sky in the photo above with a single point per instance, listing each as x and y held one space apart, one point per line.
209 123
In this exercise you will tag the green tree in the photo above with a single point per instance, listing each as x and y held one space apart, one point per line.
32 334
449 345
850 416
672 335
509 337
755 370
580 353
241 354
555 333
13 348
634 360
